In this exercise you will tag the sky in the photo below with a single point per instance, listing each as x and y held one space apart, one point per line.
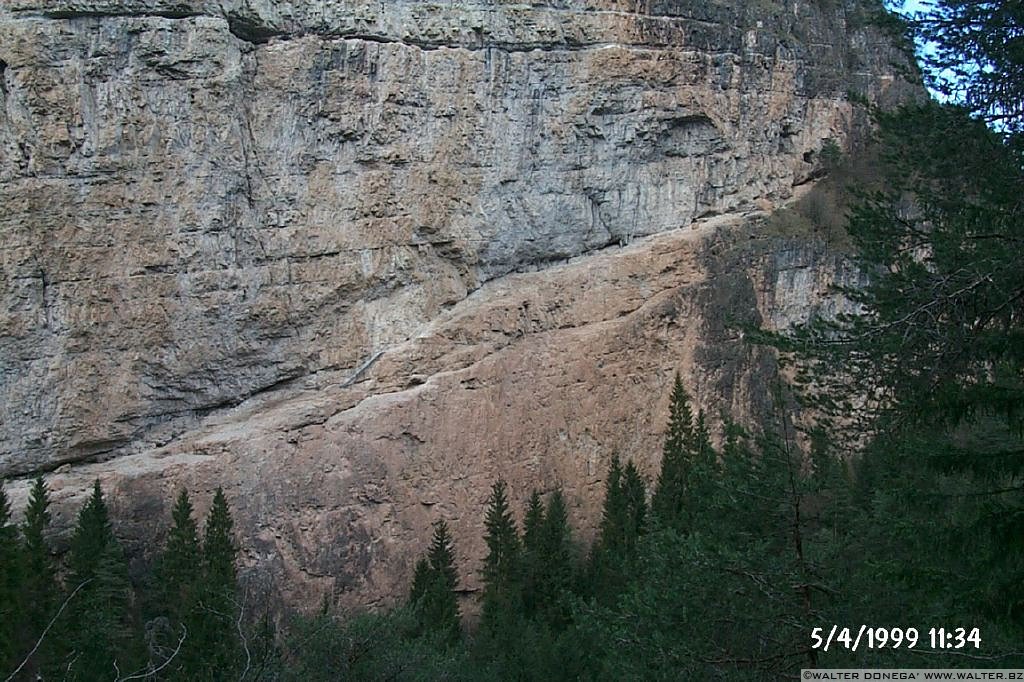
910 6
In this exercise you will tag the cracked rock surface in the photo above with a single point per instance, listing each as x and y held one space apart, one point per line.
355 259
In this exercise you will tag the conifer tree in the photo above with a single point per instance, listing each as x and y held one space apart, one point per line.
422 577
219 550
614 513
218 636
635 493
605 560
557 561
92 534
181 570
700 445
107 640
40 589
622 522
11 613
669 501
102 636
181 563
533 553
442 555
433 594
533 521
501 572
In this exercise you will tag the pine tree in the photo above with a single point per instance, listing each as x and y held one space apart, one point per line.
635 493
533 553
107 638
614 514
11 585
180 573
700 444
442 555
622 523
40 588
433 597
217 634
181 563
93 533
533 521
975 57
669 501
605 562
219 550
501 571
422 577
101 634
557 567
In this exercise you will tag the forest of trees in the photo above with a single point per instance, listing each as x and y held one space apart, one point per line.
901 505
181 621
722 573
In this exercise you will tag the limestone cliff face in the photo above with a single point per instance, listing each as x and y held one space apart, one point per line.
354 260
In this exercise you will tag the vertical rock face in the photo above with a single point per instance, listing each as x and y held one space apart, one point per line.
269 244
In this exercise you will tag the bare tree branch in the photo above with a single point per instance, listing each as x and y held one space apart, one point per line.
47 629
154 671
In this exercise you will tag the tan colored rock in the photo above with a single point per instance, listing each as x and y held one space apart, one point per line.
537 378
353 260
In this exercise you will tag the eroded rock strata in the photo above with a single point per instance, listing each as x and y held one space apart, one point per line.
354 260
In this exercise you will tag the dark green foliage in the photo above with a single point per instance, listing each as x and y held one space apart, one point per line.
550 567
422 580
939 347
367 647
218 610
669 501
730 597
11 586
502 572
181 564
102 632
92 534
441 556
614 515
634 491
533 521
687 462
533 553
219 551
181 582
40 587
555 563
622 522
433 597
976 57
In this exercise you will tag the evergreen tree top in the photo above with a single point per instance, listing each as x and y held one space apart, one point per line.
93 532
556 523
533 521
613 516
181 558
680 432
37 513
219 550
501 536
442 554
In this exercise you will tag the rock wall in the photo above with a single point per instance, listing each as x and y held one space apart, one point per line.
354 259
536 377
